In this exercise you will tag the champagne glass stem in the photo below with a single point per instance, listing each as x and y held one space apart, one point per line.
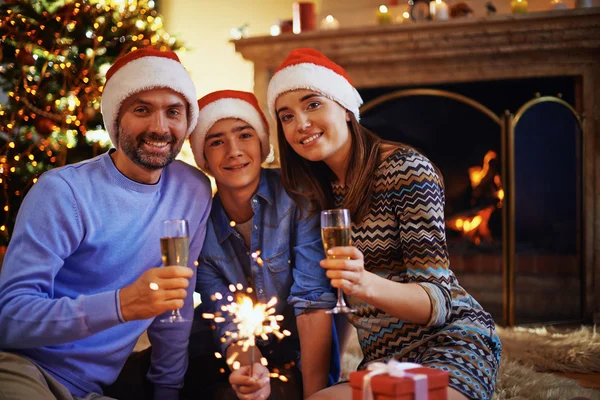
177 314
340 298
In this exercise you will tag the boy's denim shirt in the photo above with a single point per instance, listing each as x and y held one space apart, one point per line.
287 266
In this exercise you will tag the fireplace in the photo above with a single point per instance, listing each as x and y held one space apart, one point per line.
508 108
461 127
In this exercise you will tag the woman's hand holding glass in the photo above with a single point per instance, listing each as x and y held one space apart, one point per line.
346 268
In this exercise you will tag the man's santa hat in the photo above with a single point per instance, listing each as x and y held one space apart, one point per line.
224 104
310 69
140 70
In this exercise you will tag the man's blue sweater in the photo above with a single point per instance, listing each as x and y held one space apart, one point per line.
83 232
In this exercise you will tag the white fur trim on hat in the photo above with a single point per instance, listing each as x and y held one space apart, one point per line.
317 78
222 109
146 73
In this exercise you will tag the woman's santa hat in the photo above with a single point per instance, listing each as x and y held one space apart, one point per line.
140 70
310 69
224 104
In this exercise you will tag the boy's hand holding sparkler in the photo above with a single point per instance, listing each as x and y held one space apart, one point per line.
255 387
249 379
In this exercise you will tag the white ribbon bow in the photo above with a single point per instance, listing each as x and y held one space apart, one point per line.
396 369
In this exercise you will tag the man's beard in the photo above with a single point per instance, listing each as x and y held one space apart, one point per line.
132 147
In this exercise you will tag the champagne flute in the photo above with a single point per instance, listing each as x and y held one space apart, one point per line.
175 249
336 231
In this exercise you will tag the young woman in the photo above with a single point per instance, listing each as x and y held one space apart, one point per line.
409 305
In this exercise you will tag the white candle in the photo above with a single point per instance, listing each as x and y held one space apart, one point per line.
438 10
329 23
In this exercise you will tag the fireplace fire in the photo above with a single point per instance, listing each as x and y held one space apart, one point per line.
486 186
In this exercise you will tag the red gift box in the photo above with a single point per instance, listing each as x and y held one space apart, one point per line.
387 387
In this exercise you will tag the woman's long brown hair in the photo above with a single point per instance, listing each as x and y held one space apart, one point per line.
311 181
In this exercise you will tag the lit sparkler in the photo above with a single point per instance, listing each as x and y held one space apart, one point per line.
252 320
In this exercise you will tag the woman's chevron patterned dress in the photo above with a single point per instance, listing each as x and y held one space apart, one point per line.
403 239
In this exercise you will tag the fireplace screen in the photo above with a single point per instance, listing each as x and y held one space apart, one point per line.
513 194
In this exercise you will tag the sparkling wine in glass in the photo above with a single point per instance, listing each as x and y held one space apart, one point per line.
336 231
175 249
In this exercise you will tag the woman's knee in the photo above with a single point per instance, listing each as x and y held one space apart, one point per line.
339 391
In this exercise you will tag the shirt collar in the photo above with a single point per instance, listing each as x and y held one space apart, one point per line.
265 188
220 219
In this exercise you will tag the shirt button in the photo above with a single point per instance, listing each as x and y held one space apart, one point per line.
255 227
254 200
261 291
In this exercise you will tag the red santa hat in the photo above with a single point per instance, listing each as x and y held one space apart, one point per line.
224 104
140 70
310 69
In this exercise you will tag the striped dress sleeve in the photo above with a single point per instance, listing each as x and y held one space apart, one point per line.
418 200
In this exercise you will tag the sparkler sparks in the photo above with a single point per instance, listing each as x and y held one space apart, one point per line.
256 257
252 321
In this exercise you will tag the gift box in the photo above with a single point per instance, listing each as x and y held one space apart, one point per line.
401 383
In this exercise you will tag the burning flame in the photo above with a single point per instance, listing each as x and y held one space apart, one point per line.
500 192
476 174
475 227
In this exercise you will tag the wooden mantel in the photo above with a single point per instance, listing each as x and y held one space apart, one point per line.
565 42
543 44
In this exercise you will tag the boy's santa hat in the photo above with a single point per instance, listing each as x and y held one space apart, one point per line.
310 69
224 104
140 70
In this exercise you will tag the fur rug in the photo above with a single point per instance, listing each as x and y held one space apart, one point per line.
519 382
526 354
547 350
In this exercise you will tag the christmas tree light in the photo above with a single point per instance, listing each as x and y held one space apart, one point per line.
53 59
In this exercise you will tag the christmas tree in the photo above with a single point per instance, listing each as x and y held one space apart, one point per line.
53 60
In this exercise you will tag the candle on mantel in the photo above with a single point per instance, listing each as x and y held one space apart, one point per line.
519 6
438 10
403 18
383 15
329 23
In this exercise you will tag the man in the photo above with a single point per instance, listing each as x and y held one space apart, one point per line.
82 277
253 215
